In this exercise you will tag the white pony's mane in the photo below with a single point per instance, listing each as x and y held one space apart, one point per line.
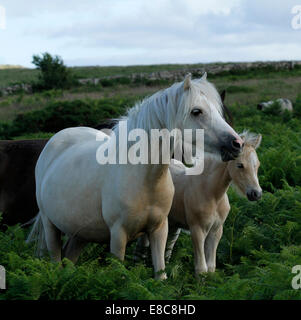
164 109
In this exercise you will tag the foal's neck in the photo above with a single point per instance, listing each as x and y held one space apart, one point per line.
218 177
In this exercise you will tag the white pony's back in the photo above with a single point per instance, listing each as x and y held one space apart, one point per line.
59 143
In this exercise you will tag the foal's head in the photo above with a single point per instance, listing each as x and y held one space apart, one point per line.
243 170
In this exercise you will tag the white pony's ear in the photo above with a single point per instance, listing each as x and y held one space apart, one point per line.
203 77
187 81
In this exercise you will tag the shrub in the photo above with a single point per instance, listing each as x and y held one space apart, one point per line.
54 74
63 114
107 83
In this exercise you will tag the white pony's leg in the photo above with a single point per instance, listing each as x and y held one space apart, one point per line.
53 239
73 248
158 240
211 244
198 240
173 235
118 241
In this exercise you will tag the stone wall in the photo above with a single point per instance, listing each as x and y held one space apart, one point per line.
212 68
176 75
16 88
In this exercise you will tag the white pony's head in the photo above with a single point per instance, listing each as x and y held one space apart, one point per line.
203 109
190 104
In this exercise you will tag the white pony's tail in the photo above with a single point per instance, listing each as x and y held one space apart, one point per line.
37 235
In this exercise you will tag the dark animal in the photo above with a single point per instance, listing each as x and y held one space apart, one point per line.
17 180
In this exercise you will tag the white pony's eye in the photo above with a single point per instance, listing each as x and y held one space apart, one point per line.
240 166
196 112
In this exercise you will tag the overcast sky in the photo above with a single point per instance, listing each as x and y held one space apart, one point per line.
126 32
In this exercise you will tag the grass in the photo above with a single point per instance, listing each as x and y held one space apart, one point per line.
261 241
15 76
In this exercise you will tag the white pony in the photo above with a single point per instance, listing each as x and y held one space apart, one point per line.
116 203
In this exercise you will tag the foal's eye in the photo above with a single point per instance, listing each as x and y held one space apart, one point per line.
196 112
240 166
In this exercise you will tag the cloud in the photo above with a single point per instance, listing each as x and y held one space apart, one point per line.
157 31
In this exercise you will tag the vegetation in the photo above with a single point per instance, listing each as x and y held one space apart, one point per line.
53 73
261 241
63 114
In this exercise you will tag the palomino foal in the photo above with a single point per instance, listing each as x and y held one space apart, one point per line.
201 203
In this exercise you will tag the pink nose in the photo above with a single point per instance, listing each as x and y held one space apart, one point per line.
237 143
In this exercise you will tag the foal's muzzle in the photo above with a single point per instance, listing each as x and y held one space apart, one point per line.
254 195
231 148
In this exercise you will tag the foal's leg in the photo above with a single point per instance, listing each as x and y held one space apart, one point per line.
118 241
173 235
141 249
157 240
52 238
198 240
211 244
73 248
142 245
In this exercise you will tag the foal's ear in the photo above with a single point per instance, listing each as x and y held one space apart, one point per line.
255 142
251 139
187 81
258 141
